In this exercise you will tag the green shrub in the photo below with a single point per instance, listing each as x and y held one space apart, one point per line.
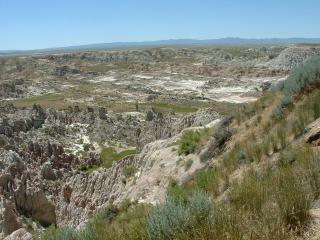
310 162
208 181
127 221
177 219
250 193
200 205
167 220
253 151
286 158
286 102
304 77
292 198
176 191
189 142
110 213
131 224
192 141
53 233
94 230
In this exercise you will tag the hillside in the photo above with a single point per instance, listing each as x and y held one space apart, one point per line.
161 143
263 185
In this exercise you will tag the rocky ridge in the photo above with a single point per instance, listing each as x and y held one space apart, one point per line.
292 57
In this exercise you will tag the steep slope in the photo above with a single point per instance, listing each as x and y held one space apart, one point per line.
43 183
293 56
265 185
152 170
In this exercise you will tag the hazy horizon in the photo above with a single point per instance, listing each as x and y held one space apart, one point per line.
177 42
35 24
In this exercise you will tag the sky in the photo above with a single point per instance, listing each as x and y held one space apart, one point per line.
36 24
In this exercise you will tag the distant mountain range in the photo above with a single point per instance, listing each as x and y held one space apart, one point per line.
171 42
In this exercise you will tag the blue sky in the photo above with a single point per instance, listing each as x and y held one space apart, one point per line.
34 24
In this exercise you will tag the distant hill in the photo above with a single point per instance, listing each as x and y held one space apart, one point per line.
170 42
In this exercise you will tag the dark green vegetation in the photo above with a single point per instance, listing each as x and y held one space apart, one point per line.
109 155
278 179
191 141
179 108
168 106
58 101
48 100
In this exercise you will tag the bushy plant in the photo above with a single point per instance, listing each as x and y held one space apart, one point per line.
292 198
189 142
208 181
167 220
176 219
253 151
286 102
304 77
250 193
53 233
286 158
310 162
109 213
278 113
199 205
176 191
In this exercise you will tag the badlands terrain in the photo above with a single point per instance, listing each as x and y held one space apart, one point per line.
81 131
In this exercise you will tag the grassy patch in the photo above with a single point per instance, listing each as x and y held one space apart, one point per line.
179 108
224 108
45 100
109 155
206 181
